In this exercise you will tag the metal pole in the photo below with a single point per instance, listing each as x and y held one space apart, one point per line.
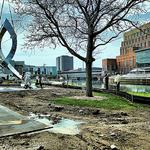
1 11
11 17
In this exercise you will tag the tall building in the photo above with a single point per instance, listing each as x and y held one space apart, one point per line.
64 63
143 57
133 40
58 64
126 62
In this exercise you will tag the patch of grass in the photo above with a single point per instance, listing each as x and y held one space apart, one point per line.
109 102
140 94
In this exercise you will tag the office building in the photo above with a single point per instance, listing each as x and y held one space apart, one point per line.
134 51
80 74
109 65
133 40
126 62
64 63
18 65
45 70
143 57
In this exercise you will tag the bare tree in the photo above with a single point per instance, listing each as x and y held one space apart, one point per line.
78 25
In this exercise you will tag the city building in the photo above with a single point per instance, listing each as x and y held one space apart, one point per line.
64 63
109 65
80 74
18 65
134 50
133 40
143 57
126 62
45 70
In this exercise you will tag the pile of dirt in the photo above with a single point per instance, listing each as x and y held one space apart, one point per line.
103 130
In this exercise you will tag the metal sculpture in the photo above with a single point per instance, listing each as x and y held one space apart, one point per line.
5 62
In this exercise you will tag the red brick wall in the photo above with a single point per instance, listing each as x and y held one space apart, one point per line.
109 65
126 62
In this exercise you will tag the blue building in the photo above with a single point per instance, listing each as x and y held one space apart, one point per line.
45 70
143 57
64 63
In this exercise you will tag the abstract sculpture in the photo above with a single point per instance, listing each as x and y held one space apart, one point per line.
5 62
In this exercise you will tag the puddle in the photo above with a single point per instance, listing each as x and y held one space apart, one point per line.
10 89
33 86
66 126
13 123
21 88
63 126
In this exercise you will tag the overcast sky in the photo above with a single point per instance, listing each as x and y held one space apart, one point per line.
47 55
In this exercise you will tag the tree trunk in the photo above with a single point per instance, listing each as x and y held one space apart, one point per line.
89 79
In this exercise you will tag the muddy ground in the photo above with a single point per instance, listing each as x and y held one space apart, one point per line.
127 130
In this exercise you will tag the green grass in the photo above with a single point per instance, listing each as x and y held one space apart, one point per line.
140 94
110 102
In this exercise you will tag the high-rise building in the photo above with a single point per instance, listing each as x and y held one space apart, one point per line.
64 63
133 40
134 51
143 57
58 64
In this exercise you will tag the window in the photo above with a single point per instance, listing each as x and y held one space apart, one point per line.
139 39
145 44
125 63
131 63
132 40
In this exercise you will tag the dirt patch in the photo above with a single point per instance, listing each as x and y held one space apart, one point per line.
103 129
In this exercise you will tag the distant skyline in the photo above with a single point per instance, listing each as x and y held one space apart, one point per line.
48 55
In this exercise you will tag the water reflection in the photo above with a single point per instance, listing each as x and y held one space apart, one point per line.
66 126
124 87
135 88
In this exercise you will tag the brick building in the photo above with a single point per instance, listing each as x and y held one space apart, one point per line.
132 41
134 51
126 62
109 65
